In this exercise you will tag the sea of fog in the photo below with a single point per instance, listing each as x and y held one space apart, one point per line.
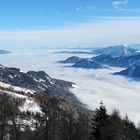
92 85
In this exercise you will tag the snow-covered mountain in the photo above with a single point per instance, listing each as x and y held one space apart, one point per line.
33 82
123 61
132 71
117 51
72 59
89 64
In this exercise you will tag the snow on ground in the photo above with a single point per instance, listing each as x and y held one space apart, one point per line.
75 86
15 88
30 105
27 123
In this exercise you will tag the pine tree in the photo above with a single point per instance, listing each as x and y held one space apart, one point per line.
100 124
116 128
129 129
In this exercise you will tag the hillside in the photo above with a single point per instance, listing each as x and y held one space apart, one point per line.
36 83
29 112
132 71
34 105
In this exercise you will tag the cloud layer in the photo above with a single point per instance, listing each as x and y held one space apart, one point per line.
99 32
93 85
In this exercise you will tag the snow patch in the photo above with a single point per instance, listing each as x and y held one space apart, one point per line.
41 80
31 106
50 80
13 94
16 89
75 86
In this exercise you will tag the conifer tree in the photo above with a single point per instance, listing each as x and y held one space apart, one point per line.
100 124
129 129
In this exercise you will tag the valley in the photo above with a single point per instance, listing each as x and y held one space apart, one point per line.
92 85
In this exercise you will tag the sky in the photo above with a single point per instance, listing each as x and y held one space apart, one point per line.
69 22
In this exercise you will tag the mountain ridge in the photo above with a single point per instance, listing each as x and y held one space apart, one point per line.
132 71
39 82
88 64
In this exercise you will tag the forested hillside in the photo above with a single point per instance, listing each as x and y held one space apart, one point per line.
60 120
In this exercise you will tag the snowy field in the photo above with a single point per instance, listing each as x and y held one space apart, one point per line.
92 85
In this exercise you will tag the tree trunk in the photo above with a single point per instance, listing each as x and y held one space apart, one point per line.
3 127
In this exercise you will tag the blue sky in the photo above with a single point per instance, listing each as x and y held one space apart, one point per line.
69 22
44 14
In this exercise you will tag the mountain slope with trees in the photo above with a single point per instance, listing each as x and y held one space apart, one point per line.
29 115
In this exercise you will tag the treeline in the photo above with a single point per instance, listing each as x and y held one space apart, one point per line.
61 120
112 127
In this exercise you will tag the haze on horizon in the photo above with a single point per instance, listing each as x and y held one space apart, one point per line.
85 23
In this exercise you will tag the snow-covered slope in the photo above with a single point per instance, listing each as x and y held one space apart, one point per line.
15 88
29 103
33 82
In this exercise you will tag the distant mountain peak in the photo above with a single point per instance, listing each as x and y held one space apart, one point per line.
72 59
117 51
125 45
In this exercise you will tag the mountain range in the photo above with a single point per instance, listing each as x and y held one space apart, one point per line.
116 56
72 59
123 61
116 51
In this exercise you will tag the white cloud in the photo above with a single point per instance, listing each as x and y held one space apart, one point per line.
89 8
78 9
99 32
117 4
